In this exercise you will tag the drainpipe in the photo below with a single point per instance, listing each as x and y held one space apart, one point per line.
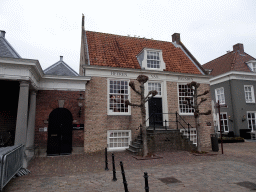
232 103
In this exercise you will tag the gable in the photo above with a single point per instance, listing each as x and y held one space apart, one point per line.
60 69
235 60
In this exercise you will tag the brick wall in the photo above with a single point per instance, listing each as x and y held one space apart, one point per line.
172 99
97 122
46 102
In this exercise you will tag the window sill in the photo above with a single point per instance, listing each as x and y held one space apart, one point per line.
119 114
187 114
252 102
117 149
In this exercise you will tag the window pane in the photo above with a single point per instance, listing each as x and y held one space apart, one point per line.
184 92
118 93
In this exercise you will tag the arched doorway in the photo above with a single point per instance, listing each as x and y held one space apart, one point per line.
60 132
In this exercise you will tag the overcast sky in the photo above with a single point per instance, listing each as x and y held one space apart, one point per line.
44 30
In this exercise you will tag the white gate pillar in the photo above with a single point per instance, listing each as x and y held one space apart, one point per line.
21 123
31 126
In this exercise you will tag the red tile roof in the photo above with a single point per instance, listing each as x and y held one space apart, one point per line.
121 51
231 61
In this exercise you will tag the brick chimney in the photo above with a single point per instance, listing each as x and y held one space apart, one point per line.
238 47
176 37
2 33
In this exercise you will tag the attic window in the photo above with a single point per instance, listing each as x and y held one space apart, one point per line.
153 59
252 65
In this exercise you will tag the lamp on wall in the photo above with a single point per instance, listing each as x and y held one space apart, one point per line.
229 117
243 118
80 104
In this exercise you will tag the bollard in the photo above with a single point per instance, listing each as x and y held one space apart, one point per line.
124 179
114 169
146 181
106 159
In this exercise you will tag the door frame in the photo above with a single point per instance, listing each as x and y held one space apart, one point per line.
163 96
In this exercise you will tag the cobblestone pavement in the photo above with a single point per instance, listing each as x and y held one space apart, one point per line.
182 171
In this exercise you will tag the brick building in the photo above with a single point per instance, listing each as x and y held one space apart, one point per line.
112 61
39 108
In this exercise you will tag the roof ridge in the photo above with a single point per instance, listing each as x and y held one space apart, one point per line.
129 36
219 57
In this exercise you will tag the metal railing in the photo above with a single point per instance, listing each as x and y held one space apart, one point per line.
178 121
11 162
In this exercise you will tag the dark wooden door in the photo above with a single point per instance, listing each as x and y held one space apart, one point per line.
155 111
60 132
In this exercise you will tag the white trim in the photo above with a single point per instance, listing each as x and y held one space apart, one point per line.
252 94
118 148
101 71
163 96
30 70
238 75
129 98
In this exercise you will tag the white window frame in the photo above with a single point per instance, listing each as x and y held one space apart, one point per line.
222 120
193 135
253 128
155 54
252 94
182 113
109 112
216 95
144 61
156 82
122 137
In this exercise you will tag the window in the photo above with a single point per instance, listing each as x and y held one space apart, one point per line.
193 135
118 94
119 139
223 122
219 94
184 108
153 59
251 120
249 94
155 86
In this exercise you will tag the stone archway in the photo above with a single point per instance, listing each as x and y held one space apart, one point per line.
59 132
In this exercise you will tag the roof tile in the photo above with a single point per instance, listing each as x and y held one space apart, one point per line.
121 51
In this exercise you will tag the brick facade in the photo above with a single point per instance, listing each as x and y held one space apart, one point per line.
47 101
98 122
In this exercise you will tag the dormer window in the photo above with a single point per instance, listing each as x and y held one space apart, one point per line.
153 60
252 65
